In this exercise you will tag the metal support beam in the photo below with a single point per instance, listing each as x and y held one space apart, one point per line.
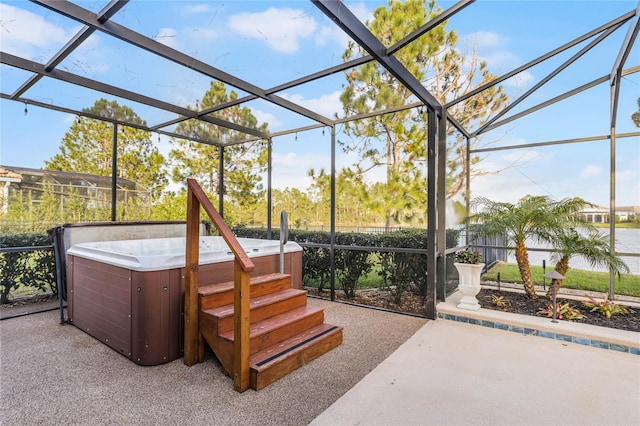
616 22
335 68
347 21
332 249
429 25
616 73
441 210
104 15
86 17
81 113
612 198
221 181
544 81
558 142
114 172
269 183
467 194
627 45
67 77
612 213
432 156
545 104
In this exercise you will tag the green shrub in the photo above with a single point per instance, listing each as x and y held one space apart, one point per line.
563 311
398 271
351 264
605 307
34 269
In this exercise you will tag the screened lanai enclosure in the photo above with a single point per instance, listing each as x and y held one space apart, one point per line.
426 105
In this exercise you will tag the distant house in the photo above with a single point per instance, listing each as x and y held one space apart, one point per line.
95 191
7 177
599 214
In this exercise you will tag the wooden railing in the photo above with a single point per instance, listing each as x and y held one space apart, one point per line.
242 266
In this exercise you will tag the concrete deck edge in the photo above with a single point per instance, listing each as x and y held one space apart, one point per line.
583 334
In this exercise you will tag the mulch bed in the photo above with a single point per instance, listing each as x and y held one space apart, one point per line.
519 303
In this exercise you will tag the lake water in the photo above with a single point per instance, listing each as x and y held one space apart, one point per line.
627 241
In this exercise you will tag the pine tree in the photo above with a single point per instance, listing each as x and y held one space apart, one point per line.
87 148
242 162
397 141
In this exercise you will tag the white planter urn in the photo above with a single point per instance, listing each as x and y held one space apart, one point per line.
469 284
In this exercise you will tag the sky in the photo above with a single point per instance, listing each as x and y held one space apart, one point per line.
268 43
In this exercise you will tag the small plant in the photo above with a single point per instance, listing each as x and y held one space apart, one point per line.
499 301
563 311
605 307
468 256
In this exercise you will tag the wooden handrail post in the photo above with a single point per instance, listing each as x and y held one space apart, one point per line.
191 330
242 266
241 301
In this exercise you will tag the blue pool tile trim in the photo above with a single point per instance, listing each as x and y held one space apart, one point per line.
542 333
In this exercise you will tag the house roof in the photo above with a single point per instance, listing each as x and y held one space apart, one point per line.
8 174
66 178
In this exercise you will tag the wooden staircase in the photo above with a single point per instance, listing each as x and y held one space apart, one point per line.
284 333
259 328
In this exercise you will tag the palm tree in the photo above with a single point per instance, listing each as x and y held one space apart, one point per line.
593 247
535 217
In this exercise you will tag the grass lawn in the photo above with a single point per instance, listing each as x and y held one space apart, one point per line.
576 279
619 225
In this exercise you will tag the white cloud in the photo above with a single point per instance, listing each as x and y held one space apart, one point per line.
265 117
332 33
590 171
201 33
628 187
362 12
195 9
519 80
168 37
493 48
290 170
489 42
281 29
486 39
519 157
326 105
28 35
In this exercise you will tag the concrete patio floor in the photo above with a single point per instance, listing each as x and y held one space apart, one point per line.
56 374
442 373
451 373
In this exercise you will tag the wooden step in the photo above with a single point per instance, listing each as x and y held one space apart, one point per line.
284 333
216 295
278 360
273 330
261 307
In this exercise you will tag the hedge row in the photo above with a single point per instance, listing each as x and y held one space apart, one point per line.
26 269
397 271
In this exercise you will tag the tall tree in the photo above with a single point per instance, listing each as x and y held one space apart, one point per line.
397 141
88 144
243 163
533 218
636 115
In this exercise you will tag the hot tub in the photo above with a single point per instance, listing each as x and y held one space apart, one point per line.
129 294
